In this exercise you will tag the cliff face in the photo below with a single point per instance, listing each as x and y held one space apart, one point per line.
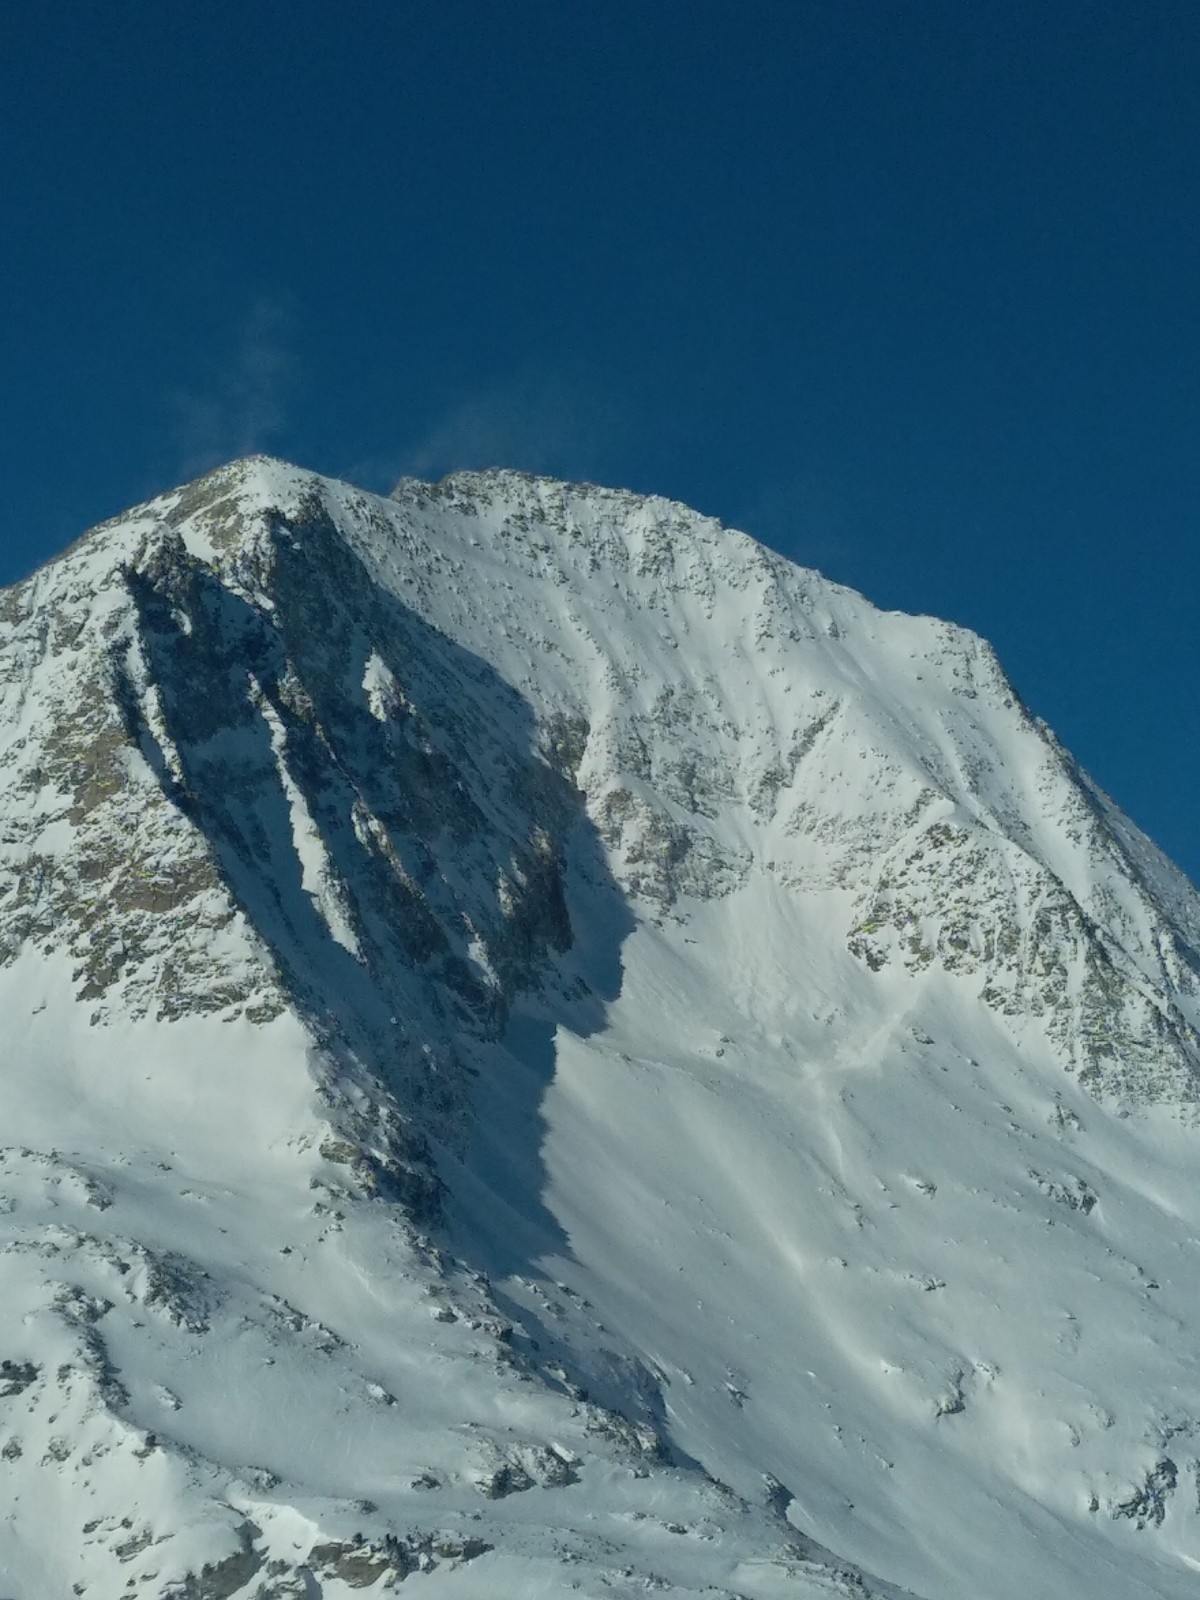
547 1044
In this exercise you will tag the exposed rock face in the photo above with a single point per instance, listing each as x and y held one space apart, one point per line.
530 1018
256 811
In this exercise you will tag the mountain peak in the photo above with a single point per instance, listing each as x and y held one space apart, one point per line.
669 1071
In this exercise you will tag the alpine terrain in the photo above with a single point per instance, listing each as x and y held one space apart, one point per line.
546 1051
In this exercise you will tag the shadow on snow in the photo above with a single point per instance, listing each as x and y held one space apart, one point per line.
438 837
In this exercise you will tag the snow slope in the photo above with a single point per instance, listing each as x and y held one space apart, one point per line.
548 1050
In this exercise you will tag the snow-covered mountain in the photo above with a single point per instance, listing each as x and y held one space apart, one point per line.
548 1051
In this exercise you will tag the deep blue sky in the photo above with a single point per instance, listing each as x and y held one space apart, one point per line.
907 289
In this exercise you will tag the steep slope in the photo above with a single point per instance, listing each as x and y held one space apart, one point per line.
550 1050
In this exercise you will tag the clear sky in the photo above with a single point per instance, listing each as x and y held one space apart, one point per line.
907 288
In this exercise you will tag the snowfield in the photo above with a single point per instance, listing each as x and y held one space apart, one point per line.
548 1051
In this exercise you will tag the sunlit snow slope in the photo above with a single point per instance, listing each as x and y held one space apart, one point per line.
547 1050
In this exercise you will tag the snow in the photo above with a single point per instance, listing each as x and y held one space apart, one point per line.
318 877
805 1047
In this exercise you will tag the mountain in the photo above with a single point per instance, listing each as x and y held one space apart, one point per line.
548 1051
